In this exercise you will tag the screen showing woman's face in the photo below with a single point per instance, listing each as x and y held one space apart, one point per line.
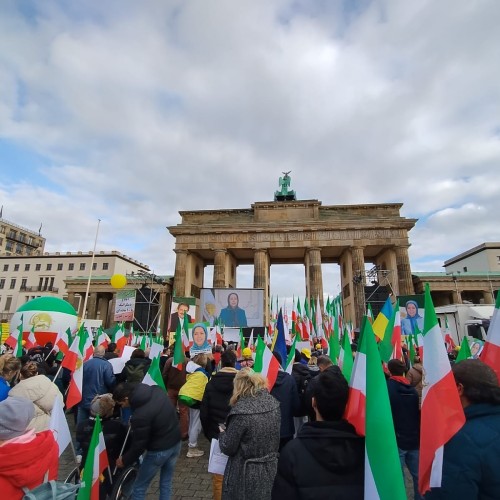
233 300
199 336
411 310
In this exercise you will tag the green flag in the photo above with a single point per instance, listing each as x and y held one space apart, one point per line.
346 361
178 348
464 352
153 376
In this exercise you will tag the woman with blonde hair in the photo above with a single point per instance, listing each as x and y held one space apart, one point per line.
9 370
41 391
250 438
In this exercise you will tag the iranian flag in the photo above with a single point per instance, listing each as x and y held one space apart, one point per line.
15 340
31 340
265 363
178 358
74 361
291 357
241 345
100 338
153 376
369 410
345 358
390 346
442 415
95 464
120 339
319 320
63 340
49 315
491 350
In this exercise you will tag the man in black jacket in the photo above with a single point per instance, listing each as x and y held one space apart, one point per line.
327 458
155 430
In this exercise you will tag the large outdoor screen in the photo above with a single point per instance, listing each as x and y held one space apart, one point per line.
233 307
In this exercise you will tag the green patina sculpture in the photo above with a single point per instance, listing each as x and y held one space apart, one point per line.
284 194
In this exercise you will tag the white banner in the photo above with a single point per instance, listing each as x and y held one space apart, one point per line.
125 305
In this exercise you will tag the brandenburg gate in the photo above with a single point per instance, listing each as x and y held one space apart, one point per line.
291 232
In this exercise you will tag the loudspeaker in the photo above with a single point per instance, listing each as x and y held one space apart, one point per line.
146 310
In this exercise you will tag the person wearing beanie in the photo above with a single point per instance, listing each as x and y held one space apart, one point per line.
246 360
25 457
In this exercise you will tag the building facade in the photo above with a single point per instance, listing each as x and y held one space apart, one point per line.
17 240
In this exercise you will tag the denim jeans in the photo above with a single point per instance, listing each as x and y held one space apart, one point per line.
164 461
410 458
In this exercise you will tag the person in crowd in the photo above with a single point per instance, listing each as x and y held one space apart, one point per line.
98 378
471 458
251 439
405 407
326 460
178 317
111 351
246 360
113 430
286 392
136 367
155 430
26 458
215 406
233 315
191 395
40 391
413 323
313 363
10 367
302 376
174 379
414 375
324 363
165 354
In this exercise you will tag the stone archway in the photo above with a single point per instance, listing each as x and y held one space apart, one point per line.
294 232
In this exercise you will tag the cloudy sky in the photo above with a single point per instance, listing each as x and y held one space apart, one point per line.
131 111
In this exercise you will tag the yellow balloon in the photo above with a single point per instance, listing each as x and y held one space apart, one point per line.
118 281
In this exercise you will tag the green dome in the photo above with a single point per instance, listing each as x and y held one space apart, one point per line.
48 304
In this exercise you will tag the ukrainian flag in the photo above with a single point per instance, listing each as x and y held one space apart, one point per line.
382 320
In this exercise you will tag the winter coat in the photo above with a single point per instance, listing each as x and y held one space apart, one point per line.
215 405
4 389
191 393
114 433
134 370
285 391
43 393
325 461
230 316
98 378
302 376
174 379
251 441
471 459
154 422
414 376
25 464
405 409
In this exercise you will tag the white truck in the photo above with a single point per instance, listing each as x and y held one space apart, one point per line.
465 320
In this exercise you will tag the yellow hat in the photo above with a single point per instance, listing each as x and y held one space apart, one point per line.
317 346
306 352
246 353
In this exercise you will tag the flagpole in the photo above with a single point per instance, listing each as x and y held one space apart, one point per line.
84 313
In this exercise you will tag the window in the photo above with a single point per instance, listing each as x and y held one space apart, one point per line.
59 267
13 283
51 286
82 267
16 267
49 267
94 266
71 267
26 267
9 246
105 266
24 282
2 283
38 267
8 303
465 269
6 267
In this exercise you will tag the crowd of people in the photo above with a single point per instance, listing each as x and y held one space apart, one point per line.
289 441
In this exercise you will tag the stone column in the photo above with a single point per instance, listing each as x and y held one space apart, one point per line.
220 268
404 271
102 307
71 299
358 273
92 306
488 297
315 275
260 267
180 273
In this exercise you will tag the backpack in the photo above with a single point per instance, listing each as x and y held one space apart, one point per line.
134 373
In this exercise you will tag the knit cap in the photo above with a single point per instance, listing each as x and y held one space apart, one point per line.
15 415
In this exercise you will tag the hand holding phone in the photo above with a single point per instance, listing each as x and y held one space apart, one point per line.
222 427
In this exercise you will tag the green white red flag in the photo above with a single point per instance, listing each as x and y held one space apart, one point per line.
265 363
345 358
442 414
15 340
178 358
491 350
95 464
370 413
390 346
120 339
153 375
291 357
